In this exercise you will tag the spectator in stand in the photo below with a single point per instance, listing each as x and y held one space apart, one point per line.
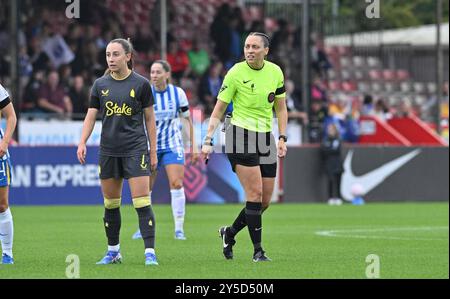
65 75
256 26
316 118
429 109
144 40
320 62
235 44
38 57
29 102
368 106
209 87
331 157
198 59
294 107
240 26
220 33
79 95
381 110
179 61
281 35
53 98
25 66
74 36
404 108
319 90
339 108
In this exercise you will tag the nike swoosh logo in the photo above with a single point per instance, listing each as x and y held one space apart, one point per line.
245 82
223 240
3 235
257 229
373 178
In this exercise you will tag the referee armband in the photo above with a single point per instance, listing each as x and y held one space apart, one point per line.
280 90
5 103
184 111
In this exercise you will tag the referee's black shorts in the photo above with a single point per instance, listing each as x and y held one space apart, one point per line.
249 148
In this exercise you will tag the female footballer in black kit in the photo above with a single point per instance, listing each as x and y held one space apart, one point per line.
125 101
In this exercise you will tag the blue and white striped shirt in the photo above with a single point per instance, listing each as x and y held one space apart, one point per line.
167 109
3 96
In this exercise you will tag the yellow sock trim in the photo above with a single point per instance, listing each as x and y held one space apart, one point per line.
140 202
113 203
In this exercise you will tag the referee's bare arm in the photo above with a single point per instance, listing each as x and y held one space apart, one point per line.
282 116
214 121
88 126
216 116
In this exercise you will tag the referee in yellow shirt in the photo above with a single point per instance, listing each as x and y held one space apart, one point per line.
254 86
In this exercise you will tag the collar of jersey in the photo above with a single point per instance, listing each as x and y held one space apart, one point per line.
264 63
122 78
161 91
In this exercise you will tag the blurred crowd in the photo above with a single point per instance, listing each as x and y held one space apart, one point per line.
59 60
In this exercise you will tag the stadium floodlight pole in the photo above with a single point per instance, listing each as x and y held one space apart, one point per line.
306 52
163 29
439 66
14 55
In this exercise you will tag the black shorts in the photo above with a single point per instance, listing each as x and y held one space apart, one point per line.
124 167
250 148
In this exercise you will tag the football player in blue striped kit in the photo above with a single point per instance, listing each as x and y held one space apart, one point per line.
6 220
171 103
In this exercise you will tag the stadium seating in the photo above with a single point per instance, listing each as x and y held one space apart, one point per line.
357 75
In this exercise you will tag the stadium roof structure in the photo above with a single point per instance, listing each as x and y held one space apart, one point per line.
415 36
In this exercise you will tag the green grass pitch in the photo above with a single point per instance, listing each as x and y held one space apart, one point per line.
303 240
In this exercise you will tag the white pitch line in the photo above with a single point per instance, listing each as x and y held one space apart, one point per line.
350 233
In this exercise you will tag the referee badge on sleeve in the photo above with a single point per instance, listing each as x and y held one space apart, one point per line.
271 97
223 88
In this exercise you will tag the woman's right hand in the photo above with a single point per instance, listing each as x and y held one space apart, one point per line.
81 153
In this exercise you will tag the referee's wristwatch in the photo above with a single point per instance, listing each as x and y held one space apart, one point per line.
284 137
208 141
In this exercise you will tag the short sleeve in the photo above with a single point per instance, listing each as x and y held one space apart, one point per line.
3 93
183 98
281 90
147 95
94 99
228 89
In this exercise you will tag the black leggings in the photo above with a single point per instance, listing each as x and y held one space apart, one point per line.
334 184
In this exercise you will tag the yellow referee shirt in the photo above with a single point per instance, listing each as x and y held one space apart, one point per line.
253 93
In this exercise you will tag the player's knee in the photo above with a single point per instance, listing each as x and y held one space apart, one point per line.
112 203
255 193
141 202
178 184
3 207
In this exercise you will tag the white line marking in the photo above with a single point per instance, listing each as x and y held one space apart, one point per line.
353 233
